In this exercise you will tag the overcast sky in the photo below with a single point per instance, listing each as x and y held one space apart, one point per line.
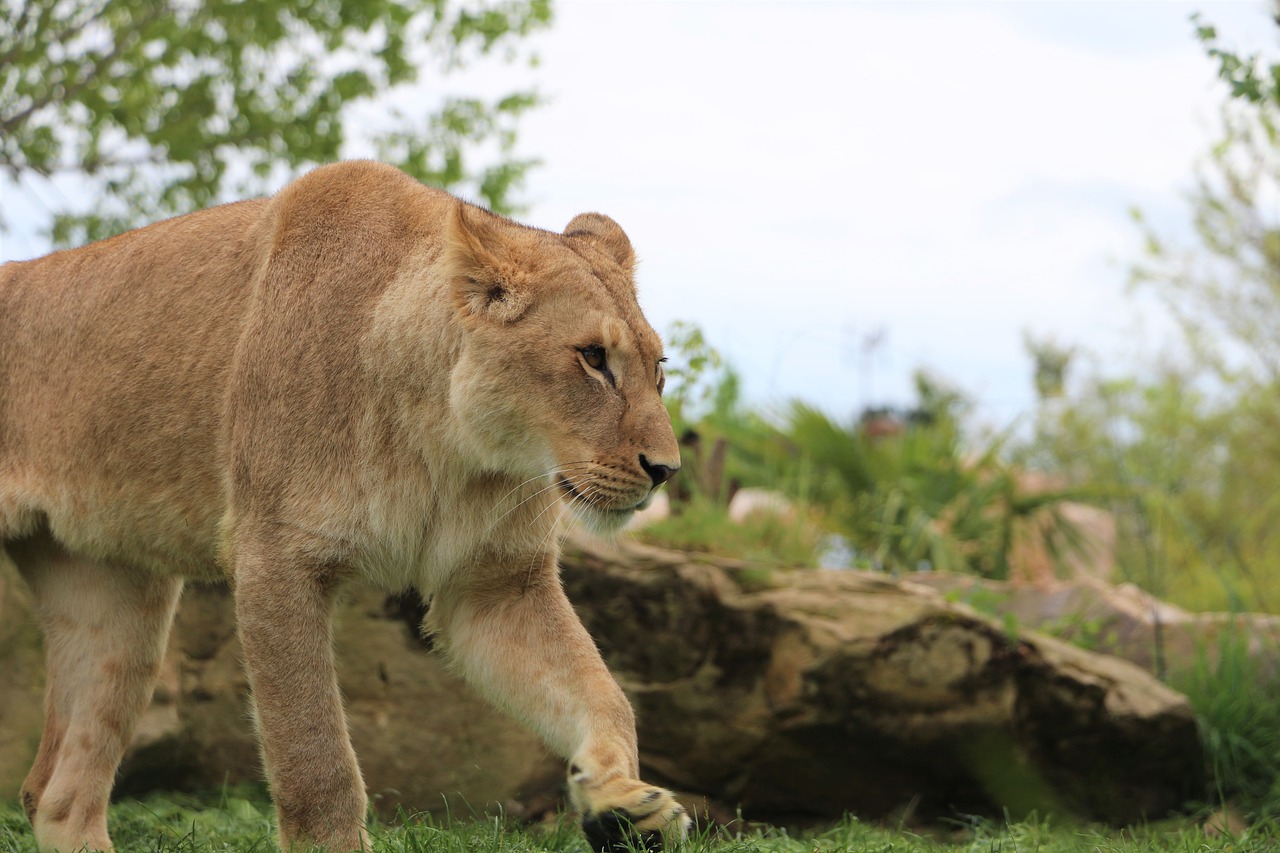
803 178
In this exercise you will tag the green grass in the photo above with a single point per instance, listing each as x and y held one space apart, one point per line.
240 820
769 539
1237 701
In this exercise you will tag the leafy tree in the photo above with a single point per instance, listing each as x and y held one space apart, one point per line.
1189 448
165 106
1251 79
1223 440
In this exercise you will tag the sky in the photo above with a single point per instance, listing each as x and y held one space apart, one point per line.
840 194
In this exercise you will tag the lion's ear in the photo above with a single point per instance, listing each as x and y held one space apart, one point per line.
605 234
482 283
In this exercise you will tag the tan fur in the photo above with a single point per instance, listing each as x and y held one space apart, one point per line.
360 378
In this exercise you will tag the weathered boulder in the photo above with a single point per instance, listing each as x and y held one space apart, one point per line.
816 692
799 694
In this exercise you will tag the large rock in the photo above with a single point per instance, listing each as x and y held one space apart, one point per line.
809 693
799 694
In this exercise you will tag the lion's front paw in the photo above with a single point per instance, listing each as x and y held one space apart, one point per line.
630 815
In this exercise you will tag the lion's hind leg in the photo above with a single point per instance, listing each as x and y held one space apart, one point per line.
105 627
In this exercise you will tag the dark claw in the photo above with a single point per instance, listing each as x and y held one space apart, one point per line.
613 832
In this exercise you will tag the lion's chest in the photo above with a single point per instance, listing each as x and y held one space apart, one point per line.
426 538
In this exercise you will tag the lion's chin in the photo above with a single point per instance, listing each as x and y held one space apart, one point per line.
604 522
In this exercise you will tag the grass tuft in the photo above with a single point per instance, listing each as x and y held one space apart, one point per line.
784 540
1236 697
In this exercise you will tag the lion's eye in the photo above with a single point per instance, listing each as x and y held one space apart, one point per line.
593 356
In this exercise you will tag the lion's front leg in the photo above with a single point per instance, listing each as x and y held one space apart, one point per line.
516 638
283 610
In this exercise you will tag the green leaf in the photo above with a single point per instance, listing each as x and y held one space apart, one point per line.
155 101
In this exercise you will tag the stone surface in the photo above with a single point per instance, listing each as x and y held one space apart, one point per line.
1042 548
810 693
792 695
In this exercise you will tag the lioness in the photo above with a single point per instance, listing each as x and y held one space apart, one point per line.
359 378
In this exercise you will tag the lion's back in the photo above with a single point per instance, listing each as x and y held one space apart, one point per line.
112 362
130 368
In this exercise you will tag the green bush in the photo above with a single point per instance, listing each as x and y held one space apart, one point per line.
1236 697
786 539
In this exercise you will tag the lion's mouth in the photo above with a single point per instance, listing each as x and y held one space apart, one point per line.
578 499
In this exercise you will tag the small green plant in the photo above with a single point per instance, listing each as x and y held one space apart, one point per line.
772 539
1088 632
911 491
1236 697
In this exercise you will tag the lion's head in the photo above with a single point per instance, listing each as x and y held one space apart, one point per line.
560 376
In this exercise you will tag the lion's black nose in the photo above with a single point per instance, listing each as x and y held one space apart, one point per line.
658 473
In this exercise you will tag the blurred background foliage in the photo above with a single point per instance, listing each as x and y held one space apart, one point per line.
1181 446
1187 443
162 107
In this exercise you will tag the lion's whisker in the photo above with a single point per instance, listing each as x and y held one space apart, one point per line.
586 463
546 488
533 561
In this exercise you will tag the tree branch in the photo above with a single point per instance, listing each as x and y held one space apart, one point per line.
11 124
59 37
